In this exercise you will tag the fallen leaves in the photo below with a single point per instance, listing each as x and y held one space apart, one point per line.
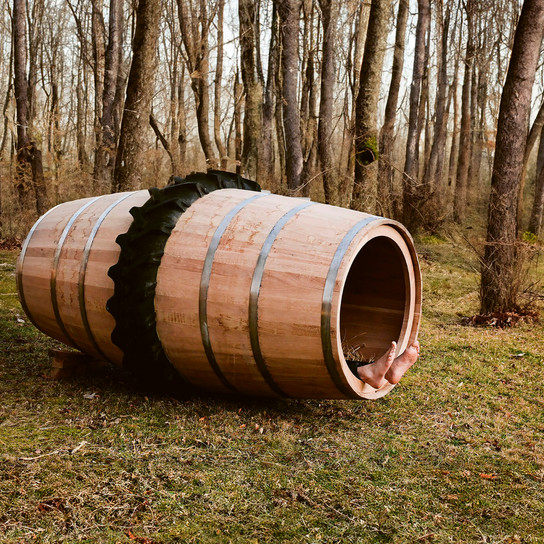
53 504
502 320
140 539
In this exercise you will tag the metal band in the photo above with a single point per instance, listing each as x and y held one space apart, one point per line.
254 296
205 283
83 271
326 307
54 269
19 275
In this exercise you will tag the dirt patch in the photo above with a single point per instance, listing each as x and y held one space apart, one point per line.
9 244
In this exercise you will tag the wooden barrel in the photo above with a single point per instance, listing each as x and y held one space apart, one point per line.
255 294
262 295
62 271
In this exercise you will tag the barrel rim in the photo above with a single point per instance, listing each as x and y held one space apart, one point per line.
20 264
410 330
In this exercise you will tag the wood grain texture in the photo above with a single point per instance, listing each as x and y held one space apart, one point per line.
380 296
253 277
37 270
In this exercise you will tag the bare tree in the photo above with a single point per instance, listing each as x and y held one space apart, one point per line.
217 88
266 153
29 169
535 222
387 133
465 135
129 163
411 184
253 90
289 11
106 136
500 266
194 22
434 167
326 104
365 189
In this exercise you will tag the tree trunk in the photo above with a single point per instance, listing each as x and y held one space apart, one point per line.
534 133
194 24
82 157
253 91
288 11
326 105
434 169
308 107
238 97
365 188
106 137
28 171
411 189
500 267
465 136
387 133
266 158
217 88
129 164
535 222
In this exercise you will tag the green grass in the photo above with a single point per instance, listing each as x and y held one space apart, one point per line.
454 454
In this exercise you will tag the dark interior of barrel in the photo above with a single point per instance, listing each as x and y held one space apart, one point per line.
373 302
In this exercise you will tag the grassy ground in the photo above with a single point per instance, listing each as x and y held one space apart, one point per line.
454 454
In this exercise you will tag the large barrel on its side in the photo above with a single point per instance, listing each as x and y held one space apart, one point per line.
254 293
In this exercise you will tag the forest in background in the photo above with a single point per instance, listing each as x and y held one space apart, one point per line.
389 107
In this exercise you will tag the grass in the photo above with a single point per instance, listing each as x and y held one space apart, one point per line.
454 454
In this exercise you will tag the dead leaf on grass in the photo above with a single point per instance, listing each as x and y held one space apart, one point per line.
140 539
52 504
488 476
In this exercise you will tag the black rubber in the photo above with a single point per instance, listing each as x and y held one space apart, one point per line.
135 274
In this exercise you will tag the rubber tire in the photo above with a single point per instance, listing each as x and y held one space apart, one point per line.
135 274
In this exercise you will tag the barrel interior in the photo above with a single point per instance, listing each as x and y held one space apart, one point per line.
374 300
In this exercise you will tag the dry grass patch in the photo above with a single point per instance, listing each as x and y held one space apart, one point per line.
454 454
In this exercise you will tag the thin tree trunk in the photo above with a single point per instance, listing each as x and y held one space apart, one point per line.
454 148
387 133
326 105
411 189
253 91
29 171
500 267
82 158
535 222
465 135
238 97
98 31
288 11
194 25
129 164
266 153
309 113
7 102
106 138
217 88
435 165
534 133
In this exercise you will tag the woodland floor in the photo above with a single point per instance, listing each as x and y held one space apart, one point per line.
455 453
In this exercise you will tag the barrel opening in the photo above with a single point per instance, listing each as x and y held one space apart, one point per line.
374 300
